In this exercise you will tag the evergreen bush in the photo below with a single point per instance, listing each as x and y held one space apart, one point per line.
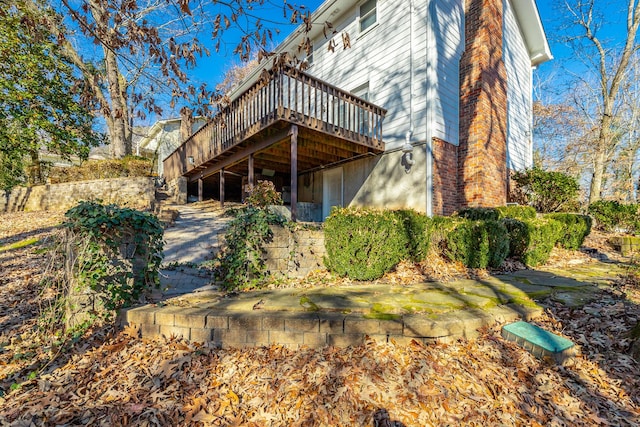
517 212
575 229
418 232
610 215
479 214
364 244
546 191
478 244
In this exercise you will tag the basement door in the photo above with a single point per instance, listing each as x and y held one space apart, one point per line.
332 189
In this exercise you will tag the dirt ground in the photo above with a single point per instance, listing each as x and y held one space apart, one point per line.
112 377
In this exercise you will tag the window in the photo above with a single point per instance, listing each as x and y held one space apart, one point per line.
368 14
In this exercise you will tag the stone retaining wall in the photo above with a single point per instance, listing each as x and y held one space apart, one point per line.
294 253
309 329
133 192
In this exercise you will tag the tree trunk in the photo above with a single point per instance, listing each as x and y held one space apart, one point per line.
118 114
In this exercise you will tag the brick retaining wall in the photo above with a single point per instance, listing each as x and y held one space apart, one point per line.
134 192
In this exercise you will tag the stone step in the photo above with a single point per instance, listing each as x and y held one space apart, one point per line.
539 342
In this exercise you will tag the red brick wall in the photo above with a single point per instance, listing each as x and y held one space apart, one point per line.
482 170
445 177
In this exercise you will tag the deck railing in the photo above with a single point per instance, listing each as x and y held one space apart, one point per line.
290 95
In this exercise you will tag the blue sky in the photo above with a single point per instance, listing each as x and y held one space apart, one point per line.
211 69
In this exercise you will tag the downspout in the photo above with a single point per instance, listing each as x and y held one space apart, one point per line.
407 147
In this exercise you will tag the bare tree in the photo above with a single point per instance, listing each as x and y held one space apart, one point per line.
611 65
133 54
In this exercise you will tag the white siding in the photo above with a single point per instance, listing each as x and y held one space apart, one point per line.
379 56
445 37
519 93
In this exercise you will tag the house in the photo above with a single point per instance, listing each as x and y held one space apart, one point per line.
162 138
423 105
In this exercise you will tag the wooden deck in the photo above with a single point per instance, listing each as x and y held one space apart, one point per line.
257 129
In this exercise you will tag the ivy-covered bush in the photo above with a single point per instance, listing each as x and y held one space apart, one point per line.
115 251
546 191
575 229
477 244
610 215
241 263
364 244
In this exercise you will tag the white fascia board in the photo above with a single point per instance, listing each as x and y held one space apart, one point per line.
528 17
329 11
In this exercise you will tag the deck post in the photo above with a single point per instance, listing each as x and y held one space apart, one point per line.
222 188
294 172
251 177
199 189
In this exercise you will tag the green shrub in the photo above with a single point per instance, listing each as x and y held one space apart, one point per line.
477 244
263 194
518 236
479 214
418 232
517 212
610 214
546 191
531 240
364 244
575 229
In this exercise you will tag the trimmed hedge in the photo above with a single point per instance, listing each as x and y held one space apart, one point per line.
478 244
517 212
576 228
486 214
479 214
364 244
417 228
610 215
531 241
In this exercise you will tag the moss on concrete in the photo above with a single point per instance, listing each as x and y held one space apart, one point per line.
20 244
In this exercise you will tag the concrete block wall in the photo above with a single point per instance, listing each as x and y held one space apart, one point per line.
136 192
294 253
238 329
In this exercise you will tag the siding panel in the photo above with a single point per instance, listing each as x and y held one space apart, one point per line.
519 90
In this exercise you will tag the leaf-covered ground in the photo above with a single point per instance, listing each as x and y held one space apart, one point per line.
115 378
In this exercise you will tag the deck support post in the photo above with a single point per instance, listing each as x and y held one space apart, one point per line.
199 189
251 176
222 188
294 172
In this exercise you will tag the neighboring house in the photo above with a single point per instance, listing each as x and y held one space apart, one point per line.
161 139
429 108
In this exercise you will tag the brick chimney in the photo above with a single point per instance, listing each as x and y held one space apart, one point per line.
482 153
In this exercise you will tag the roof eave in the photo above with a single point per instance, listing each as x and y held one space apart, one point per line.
528 18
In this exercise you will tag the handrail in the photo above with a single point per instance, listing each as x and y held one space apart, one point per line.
286 94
